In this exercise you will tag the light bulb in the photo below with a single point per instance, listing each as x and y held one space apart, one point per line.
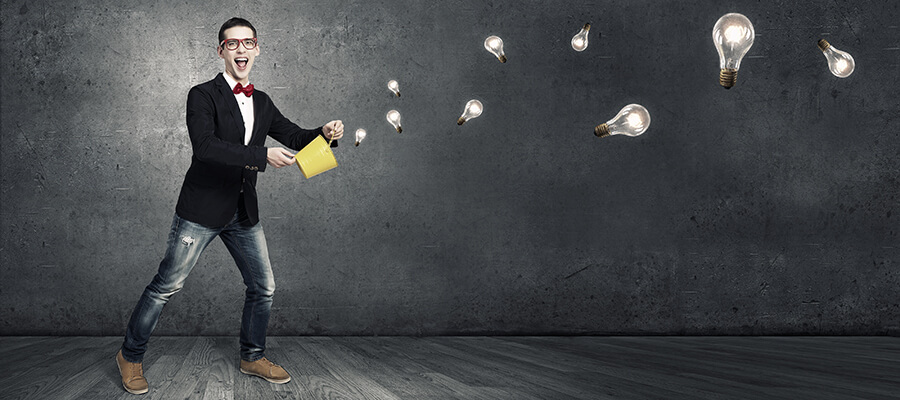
632 120
393 117
394 86
473 110
360 135
733 36
580 41
840 62
494 45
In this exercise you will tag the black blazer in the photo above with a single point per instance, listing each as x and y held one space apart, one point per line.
222 168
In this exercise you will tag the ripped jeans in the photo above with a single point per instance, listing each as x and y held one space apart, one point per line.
247 245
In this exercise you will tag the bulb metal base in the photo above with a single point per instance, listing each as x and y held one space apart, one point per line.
357 144
397 93
587 27
728 77
399 129
502 59
823 44
601 130
460 121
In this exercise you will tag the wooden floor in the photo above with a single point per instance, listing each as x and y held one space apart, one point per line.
466 368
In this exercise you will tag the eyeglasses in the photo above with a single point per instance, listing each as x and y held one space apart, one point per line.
232 44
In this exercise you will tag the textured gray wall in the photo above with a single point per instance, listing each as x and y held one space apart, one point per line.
771 208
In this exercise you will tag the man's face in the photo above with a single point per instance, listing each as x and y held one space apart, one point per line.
238 61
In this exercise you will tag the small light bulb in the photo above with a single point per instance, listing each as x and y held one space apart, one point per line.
393 117
494 45
580 40
394 86
733 36
840 62
473 110
360 135
632 120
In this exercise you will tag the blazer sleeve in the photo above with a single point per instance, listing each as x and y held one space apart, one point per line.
201 124
291 135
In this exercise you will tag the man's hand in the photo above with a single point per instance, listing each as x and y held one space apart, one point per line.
333 130
279 157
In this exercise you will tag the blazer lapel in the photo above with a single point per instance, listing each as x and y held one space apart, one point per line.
232 105
256 106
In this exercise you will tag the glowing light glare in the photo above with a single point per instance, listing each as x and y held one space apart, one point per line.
360 135
494 45
635 120
734 33
632 120
580 40
733 36
393 117
840 63
473 110
394 87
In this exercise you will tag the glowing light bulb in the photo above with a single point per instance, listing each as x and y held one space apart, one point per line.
394 86
580 41
360 135
393 117
494 45
473 110
840 62
632 120
733 36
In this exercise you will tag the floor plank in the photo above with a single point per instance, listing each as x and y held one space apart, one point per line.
471 367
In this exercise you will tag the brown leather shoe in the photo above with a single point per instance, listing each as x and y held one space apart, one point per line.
265 369
132 375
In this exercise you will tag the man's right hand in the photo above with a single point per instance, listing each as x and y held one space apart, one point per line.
279 157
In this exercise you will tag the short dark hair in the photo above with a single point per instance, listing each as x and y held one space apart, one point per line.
231 23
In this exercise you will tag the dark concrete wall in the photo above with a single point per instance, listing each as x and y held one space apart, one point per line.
771 208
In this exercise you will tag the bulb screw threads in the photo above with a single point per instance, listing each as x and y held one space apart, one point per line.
823 44
460 121
397 93
357 143
399 129
601 130
728 77
502 58
587 26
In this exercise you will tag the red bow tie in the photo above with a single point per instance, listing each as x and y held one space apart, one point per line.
248 90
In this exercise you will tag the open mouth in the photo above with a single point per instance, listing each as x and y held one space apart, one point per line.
241 62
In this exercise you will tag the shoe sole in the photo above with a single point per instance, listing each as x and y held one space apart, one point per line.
281 381
132 391
135 391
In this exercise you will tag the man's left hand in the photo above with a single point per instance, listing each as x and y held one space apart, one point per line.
333 130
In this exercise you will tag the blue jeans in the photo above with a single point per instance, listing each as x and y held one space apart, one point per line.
247 245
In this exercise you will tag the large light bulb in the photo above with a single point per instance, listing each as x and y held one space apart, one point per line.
580 40
473 110
360 135
393 117
733 36
394 86
840 62
494 45
632 120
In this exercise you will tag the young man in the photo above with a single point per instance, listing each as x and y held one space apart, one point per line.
228 122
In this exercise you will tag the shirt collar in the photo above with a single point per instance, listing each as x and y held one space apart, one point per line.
231 82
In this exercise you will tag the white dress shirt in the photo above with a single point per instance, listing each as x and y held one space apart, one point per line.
246 105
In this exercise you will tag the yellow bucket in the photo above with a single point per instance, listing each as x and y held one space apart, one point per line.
315 158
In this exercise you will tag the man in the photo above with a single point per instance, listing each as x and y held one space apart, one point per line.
228 122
